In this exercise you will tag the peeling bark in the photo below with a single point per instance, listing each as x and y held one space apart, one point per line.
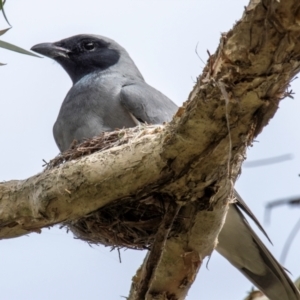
195 159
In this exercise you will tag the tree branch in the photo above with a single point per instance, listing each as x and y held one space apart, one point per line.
195 159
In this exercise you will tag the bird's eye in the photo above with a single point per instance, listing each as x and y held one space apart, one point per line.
89 46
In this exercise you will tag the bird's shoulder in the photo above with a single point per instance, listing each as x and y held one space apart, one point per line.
146 103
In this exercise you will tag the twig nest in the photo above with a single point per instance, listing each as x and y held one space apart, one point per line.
131 224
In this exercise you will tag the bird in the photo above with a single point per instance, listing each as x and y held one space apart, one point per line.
109 92
102 103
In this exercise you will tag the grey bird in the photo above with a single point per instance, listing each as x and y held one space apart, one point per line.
109 92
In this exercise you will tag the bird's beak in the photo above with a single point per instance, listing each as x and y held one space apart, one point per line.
50 50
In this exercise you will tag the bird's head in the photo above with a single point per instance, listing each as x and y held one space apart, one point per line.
82 54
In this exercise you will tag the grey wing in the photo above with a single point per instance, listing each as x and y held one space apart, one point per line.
240 245
147 104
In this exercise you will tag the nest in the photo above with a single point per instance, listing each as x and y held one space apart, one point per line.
104 141
130 223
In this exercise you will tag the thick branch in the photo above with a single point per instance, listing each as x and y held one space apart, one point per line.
79 187
195 159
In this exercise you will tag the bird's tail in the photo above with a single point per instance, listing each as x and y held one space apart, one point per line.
241 246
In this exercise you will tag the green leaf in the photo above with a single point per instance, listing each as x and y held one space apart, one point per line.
4 30
12 47
3 12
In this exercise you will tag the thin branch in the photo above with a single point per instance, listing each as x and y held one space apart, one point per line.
157 248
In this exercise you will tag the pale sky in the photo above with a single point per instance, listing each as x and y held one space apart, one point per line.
161 37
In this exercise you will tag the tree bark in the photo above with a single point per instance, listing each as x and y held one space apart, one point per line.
195 159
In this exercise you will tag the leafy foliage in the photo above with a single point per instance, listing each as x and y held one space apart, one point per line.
12 47
9 46
3 12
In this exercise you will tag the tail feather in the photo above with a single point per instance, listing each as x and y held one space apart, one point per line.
241 246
